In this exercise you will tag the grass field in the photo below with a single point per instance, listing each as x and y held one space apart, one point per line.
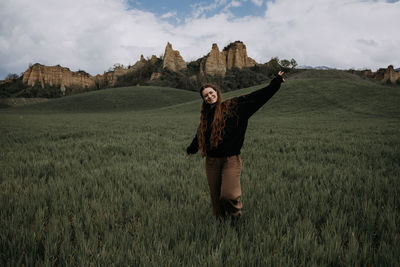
102 179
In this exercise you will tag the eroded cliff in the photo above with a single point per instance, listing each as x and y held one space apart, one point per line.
233 56
172 59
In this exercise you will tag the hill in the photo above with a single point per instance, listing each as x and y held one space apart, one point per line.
328 91
320 91
133 98
309 91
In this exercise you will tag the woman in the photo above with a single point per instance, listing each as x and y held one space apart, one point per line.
220 137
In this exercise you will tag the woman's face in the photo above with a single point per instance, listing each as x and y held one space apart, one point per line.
209 95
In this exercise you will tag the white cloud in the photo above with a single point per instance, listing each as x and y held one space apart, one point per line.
81 34
258 3
328 33
200 9
169 15
94 34
234 4
341 34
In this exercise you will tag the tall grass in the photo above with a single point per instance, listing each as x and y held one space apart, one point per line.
320 181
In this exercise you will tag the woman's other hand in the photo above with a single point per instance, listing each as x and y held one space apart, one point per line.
280 73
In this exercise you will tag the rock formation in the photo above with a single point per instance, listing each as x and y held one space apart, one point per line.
214 63
233 56
142 62
391 75
379 74
384 75
368 73
173 60
236 56
139 64
155 76
154 60
57 76
108 79
76 82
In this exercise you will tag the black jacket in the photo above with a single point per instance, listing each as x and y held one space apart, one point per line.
236 123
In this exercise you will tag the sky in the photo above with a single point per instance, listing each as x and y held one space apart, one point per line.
93 35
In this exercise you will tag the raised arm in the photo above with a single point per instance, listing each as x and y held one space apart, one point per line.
250 103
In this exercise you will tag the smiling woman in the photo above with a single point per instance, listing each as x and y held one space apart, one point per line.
220 137
209 94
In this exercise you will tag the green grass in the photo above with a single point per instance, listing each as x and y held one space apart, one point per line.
134 98
86 183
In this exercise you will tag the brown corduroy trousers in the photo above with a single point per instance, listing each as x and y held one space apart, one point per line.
223 176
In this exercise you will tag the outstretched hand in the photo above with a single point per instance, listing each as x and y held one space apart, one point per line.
280 73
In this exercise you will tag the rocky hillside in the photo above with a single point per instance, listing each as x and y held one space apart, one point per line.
230 68
60 77
170 70
385 76
233 56
172 59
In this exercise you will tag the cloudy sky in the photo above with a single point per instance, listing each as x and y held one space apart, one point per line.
93 35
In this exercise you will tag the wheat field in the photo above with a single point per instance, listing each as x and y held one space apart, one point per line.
102 178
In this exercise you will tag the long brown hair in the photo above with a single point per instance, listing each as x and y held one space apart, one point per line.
222 111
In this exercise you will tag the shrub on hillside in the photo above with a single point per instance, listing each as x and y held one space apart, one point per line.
274 65
175 80
11 87
38 91
193 68
241 78
140 76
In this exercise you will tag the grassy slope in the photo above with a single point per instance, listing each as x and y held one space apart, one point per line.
316 92
133 98
310 91
320 180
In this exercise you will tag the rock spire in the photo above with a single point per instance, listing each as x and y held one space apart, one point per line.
173 60
233 56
